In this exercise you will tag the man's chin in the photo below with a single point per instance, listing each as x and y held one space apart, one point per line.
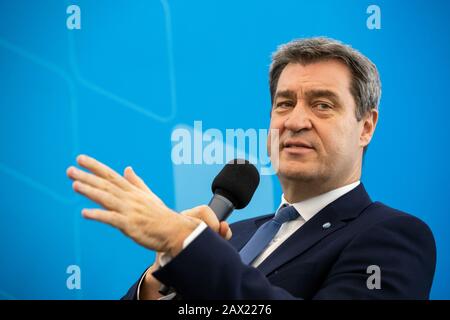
298 172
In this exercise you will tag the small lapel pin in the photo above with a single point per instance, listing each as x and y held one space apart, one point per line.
326 225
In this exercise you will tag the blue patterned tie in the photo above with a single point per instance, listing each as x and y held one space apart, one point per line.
266 233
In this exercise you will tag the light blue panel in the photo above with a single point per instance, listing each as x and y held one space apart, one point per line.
193 181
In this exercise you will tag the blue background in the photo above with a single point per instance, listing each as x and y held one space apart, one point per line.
117 88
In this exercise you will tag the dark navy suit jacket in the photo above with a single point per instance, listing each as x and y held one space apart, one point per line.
315 262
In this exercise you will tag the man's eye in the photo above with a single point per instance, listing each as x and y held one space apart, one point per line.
284 104
323 106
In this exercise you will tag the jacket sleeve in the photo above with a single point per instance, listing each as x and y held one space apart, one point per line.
210 268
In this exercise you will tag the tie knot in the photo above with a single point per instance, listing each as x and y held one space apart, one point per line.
285 214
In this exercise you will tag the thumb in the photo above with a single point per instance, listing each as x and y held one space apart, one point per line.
134 179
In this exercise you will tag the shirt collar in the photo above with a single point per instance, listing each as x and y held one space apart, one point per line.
308 208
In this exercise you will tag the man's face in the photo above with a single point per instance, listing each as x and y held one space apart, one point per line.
314 111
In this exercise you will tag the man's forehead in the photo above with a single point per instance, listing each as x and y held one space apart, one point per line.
329 75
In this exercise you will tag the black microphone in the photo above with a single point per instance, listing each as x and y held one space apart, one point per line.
233 187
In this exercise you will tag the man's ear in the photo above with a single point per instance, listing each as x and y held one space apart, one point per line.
368 129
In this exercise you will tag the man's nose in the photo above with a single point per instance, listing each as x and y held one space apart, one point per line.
298 119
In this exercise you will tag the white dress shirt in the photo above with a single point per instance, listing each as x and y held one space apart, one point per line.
307 209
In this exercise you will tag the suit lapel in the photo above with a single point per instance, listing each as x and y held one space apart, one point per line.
304 238
337 213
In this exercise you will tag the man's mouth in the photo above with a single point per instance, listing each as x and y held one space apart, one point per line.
297 146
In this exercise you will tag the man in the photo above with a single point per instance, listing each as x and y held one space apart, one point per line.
327 240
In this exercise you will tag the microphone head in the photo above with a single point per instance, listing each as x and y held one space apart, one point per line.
237 182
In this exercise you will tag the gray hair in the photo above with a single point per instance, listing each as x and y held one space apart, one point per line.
365 85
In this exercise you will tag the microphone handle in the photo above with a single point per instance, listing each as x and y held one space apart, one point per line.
221 206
